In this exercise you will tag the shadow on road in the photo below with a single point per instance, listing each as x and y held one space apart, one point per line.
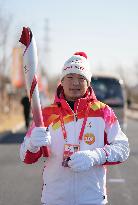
12 138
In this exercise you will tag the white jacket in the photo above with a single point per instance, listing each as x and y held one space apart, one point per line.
61 185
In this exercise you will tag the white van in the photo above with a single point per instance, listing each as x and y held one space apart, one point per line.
110 90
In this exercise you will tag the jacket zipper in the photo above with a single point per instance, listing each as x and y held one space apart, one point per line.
76 142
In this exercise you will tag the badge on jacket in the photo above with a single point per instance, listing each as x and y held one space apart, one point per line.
69 149
89 138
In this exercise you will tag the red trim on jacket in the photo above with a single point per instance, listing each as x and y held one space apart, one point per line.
105 139
31 158
107 143
112 163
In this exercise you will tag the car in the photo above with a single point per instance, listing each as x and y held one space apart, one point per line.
110 89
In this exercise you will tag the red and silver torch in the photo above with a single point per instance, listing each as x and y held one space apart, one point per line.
30 61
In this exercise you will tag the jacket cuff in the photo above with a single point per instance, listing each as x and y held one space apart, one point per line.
31 147
101 156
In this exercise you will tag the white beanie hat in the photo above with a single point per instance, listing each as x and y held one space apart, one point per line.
78 64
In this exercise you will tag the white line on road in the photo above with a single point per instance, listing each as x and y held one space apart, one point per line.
115 180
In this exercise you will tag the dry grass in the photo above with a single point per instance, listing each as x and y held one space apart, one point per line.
10 120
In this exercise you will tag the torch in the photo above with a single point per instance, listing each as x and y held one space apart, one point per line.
30 61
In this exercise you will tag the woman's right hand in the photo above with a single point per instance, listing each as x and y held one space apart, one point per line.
40 137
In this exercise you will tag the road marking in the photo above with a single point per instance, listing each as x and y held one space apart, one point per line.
115 180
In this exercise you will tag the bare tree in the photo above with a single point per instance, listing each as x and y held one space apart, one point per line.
121 73
5 23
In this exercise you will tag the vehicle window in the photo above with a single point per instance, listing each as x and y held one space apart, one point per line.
107 89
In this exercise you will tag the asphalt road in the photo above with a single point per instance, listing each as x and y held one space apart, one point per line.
21 184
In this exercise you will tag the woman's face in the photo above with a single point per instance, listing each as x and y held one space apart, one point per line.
74 86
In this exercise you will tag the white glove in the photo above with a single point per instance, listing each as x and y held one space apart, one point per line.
84 160
39 137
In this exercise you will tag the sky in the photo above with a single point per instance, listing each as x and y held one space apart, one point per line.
107 30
